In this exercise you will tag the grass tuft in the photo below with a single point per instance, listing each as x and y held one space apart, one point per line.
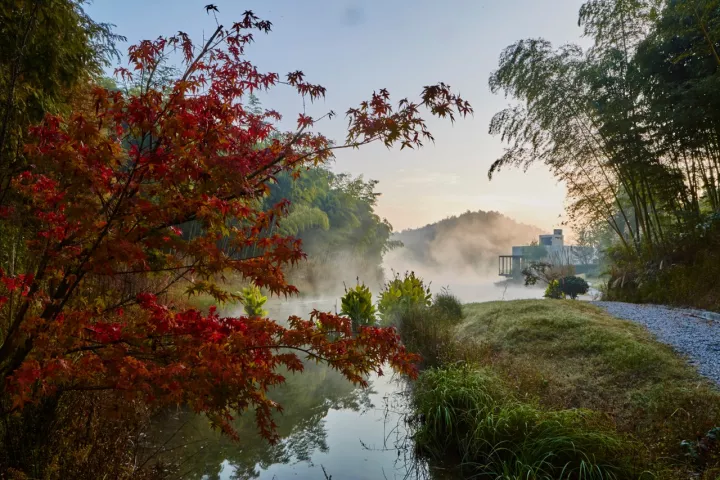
470 412
449 305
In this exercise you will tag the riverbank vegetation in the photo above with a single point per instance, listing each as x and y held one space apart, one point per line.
631 126
559 389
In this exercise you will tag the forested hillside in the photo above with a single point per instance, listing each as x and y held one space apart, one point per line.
334 217
470 242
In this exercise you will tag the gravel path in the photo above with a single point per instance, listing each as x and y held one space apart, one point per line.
694 333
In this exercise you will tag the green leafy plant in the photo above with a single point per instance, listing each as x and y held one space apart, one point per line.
698 450
253 300
358 305
554 290
402 294
573 286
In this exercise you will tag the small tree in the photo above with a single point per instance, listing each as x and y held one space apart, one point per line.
103 207
358 305
554 290
253 300
402 294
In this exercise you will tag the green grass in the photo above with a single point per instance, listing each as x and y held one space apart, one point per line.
430 331
469 413
562 355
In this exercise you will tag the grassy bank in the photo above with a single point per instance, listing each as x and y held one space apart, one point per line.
559 389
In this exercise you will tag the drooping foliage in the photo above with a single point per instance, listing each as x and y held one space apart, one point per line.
102 207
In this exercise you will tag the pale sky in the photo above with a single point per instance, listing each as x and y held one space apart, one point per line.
355 47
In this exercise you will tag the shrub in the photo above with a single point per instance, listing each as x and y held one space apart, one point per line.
253 301
402 294
358 305
554 290
470 413
424 332
449 305
573 286
546 272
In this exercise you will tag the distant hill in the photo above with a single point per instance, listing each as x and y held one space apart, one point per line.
464 244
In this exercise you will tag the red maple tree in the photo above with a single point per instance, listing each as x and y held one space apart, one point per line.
105 194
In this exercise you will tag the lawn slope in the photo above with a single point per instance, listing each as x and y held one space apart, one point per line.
553 358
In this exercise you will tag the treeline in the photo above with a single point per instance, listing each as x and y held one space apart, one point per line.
632 126
334 217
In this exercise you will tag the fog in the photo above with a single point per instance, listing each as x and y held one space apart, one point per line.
470 283
461 254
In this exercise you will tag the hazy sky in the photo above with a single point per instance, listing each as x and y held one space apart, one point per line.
355 47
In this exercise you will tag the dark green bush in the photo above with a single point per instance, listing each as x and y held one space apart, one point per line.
573 286
448 305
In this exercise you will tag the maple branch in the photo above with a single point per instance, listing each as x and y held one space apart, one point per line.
320 152
152 270
280 157
202 53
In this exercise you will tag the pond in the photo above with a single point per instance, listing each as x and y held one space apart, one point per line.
329 428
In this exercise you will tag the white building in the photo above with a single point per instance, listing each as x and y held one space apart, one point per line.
554 251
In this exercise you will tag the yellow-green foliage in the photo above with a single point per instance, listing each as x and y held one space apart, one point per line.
358 305
253 301
554 290
402 294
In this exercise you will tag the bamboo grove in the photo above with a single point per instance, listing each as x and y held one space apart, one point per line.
631 125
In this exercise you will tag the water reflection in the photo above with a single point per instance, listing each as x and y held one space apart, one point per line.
329 428
194 448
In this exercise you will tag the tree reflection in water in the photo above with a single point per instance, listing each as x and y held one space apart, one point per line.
329 428
193 450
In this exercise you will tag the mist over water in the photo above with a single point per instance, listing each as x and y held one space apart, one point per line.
461 254
468 284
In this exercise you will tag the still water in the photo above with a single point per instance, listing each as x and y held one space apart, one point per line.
329 428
